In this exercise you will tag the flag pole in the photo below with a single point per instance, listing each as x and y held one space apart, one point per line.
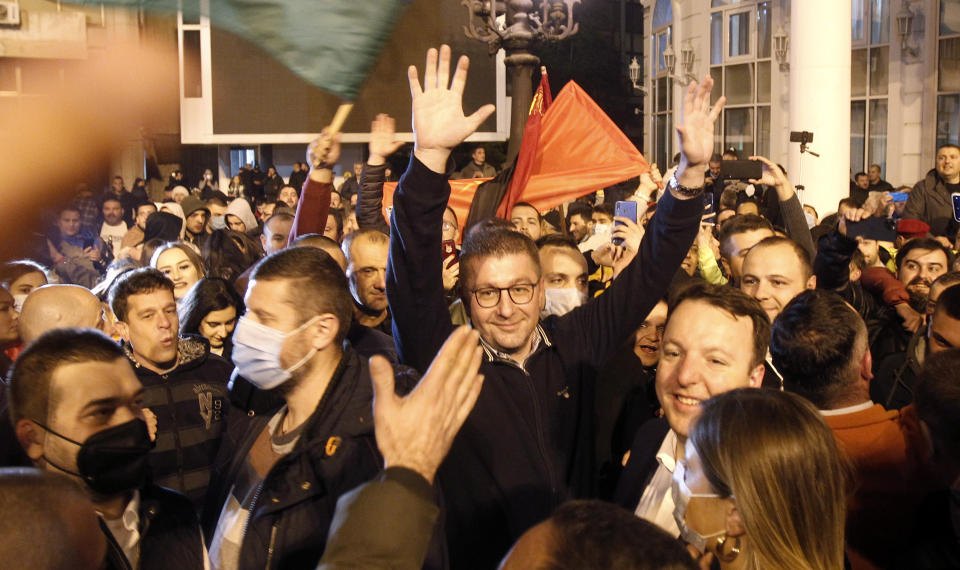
339 117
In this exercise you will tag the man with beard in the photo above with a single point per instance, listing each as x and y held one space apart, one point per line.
919 263
895 376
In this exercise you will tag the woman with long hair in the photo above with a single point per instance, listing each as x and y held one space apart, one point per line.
762 484
210 309
180 262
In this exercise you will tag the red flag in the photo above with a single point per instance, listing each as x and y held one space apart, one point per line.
580 150
528 147
461 195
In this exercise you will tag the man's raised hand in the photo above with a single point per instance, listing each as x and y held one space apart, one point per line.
696 131
382 143
439 123
416 431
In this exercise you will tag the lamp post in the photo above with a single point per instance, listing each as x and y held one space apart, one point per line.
687 57
519 27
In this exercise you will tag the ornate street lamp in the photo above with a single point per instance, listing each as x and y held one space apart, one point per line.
519 27
904 29
781 47
687 57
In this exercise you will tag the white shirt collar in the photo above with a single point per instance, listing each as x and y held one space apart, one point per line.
849 409
667 455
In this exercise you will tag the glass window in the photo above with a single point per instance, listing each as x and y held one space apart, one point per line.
763 131
858 127
739 38
661 47
662 14
763 81
858 73
948 119
879 22
879 70
949 17
877 151
739 130
857 28
764 34
662 97
717 74
716 38
739 84
660 128
949 65
722 3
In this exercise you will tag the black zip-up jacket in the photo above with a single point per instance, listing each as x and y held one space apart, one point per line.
296 501
190 403
169 531
528 443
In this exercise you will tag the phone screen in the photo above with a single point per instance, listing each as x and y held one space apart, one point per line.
956 205
624 209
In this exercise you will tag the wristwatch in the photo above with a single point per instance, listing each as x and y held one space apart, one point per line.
683 190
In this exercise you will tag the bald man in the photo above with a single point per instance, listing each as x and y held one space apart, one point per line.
59 306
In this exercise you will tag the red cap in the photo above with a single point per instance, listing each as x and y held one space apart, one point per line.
912 228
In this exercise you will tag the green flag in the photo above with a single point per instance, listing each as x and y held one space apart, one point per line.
332 44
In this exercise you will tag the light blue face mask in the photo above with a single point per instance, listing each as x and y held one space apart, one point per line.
256 353
681 496
218 222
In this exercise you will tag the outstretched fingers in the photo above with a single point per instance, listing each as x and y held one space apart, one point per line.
430 71
414 81
443 67
460 75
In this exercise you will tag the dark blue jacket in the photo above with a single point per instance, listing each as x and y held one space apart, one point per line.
528 443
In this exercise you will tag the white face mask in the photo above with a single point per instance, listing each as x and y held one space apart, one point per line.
18 302
681 497
256 353
562 301
602 229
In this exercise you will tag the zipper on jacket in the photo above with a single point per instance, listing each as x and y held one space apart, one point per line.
253 504
176 435
273 540
541 444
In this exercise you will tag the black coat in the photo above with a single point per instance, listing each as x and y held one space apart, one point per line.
288 524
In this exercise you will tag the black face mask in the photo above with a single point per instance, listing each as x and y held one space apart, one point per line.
113 460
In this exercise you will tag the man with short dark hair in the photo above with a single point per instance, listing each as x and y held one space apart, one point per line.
527 219
737 236
860 188
184 384
819 344
298 176
525 447
919 262
715 340
597 535
366 252
79 257
580 222
564 275
78 409
930 200
478 167
776 270
877 183
134 235
303 433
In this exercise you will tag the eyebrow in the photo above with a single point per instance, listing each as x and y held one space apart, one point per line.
110 401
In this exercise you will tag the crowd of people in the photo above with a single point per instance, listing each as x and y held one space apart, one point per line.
283 375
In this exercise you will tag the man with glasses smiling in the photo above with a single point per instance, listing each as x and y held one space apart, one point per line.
527 445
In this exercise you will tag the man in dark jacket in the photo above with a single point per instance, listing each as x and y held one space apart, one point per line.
282 467
78 410
184 385
930 200
528 444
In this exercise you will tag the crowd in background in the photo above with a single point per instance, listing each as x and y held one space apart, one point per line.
277 375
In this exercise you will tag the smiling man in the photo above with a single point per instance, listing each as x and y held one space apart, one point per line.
184 385
715 340
774 272
919 262
526 445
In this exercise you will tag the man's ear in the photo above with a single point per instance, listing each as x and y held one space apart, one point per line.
31 438
123 329
263 240
756 375
325 330
726 266
866 365
733 522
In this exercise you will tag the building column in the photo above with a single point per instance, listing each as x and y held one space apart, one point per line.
820 99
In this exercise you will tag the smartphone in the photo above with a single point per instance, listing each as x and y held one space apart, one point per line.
956 205
708 207
624 209
900 196
880 229
450 253
741 169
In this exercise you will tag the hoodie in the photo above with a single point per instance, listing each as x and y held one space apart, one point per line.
241 209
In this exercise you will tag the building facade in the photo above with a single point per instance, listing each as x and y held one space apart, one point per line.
876 81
